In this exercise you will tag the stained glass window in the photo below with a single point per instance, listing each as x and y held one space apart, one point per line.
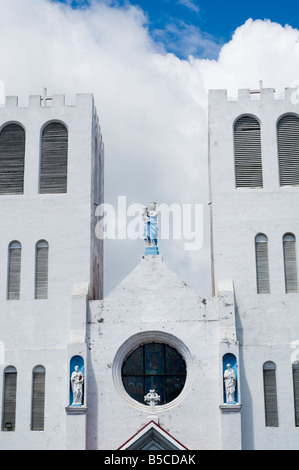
154 366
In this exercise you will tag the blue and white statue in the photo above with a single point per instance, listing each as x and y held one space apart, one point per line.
150 233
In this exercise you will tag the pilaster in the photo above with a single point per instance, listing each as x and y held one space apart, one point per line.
231 434
77 356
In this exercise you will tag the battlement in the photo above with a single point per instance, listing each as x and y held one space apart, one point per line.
45 101
263 94
46 104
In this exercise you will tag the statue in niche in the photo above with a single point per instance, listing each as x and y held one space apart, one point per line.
149 217
77 386
230 384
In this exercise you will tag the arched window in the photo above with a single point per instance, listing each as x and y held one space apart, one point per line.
9 399
38 398
154 366
296 392
54 156
14 271
41 269
270 394
288 150
262 264
248 153
290 263
12 157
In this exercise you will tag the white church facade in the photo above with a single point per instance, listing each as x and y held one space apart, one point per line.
153 366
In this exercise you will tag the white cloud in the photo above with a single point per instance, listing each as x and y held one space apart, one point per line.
259 50
185 39
152 105
190 5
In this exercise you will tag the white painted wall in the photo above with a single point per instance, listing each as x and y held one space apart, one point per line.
152 303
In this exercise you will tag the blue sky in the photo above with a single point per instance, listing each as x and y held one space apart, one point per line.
201 27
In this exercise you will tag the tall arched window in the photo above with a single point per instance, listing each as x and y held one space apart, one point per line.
9 399
262 264
14 271
248 153
290 263
12 157
54 156
270 394
41 269
38 398
288 150
296 392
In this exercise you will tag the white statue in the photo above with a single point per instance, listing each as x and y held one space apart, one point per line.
77 386
230 384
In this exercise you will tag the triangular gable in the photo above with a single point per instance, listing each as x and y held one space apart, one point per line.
152 437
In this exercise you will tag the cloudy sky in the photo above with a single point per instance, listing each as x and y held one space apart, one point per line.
150 64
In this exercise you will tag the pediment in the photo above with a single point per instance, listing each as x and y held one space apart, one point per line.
152 437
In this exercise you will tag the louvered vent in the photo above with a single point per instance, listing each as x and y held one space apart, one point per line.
14 271
262 264
288 150
9 399
41 266
38 399
248 154
296 392
54 156
270 395
12 156
290 263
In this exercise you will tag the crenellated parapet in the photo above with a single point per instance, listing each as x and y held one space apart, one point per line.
245 95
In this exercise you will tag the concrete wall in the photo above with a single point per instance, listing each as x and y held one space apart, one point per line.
153 304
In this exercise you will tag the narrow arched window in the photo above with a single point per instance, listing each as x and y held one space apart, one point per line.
14 271
296 392
262 264
54 159
290 263
38 398
270 394
9 399
248 153
41 269
288 150
12 157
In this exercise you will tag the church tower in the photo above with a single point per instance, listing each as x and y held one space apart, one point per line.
254 180
51 179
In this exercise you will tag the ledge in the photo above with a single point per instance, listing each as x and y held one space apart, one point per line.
230 407
76 410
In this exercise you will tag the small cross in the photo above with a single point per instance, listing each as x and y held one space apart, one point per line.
152 398
253 92
45 97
